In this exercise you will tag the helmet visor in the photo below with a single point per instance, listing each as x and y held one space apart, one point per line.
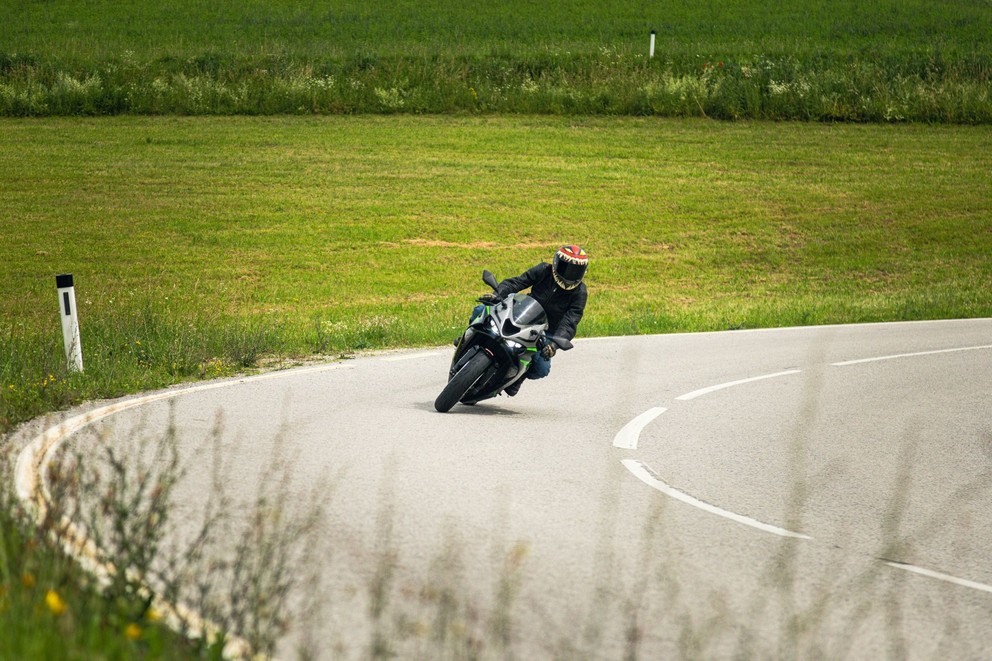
569 271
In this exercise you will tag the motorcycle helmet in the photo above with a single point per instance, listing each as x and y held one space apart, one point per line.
570 266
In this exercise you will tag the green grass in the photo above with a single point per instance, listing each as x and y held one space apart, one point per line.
50 609
199 246
888 61
77 30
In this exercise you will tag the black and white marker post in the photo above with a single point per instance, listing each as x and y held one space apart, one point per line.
651 48
70 322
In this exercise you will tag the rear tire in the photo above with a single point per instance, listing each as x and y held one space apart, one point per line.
461 382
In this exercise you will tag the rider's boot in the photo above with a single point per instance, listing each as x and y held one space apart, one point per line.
513 388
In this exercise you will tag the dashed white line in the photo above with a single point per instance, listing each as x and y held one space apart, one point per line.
947 578
644 473
909 355
705 391
628 436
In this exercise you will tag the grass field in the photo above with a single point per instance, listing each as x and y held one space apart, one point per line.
891 61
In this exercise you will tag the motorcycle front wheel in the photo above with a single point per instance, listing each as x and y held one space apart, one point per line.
461 382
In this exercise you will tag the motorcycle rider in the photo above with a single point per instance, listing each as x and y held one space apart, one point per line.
558 287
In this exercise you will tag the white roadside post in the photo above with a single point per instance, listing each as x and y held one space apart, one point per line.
651 50
70 322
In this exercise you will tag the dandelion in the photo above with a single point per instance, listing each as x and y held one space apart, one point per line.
132 631
54 602
153 615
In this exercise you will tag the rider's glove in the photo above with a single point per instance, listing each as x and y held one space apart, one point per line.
490 299
549 350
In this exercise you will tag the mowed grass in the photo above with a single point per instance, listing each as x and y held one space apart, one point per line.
200 246
886 61
91 30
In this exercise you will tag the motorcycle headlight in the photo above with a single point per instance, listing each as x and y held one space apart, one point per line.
516 346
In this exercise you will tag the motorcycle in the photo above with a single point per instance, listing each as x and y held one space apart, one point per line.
496 349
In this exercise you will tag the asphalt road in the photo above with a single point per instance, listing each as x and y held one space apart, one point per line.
751 493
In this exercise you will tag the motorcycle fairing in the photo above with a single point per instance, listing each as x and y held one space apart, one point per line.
508 332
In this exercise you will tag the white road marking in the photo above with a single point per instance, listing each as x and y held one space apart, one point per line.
947 578
628 436
705 391
32 463
649 477
34 457
909 355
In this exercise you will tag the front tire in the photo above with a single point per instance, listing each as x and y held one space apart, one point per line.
461 382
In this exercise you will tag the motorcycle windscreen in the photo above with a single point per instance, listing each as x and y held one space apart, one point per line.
527 311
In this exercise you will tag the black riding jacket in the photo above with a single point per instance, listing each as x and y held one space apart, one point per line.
563 306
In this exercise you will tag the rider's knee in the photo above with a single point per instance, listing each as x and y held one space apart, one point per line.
539 368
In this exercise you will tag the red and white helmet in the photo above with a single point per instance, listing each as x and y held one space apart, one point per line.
570 266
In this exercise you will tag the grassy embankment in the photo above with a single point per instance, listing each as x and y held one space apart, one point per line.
897 60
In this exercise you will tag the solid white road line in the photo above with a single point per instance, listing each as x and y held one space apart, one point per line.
31 467
628 436
36 455
910 355
974 585
705 391
644 473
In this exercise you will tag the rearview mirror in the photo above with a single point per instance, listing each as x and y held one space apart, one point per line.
489 279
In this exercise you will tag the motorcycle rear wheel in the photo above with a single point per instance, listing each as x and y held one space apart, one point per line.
461 382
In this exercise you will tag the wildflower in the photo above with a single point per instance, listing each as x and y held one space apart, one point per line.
54 602
27 580
153 615
515 558
132 631
138 342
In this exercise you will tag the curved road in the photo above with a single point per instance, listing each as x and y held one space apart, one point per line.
788 493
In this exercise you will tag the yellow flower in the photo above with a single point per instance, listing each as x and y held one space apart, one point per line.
132 631
27 580
153 615
54 602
